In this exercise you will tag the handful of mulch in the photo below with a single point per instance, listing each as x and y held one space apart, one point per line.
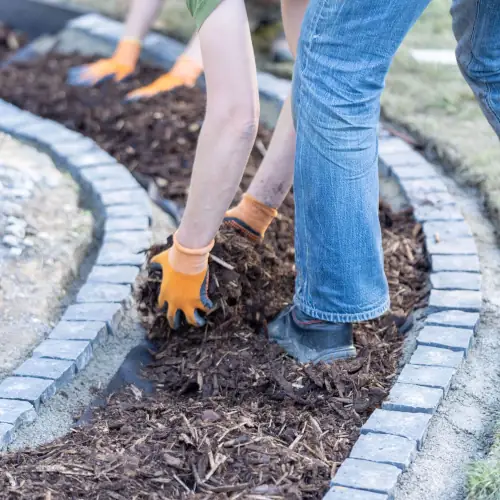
240 274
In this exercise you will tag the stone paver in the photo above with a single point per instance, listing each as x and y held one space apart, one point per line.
456 318
385 449
429 376
460 263
59 370
341 493
434 356
455 339
446 231
466 300
130 224
33 390
111 313
79 351
103 292
369 476
412 426
124 275
93 331
16 412
455 281
113 254
132 210
457 246
413 398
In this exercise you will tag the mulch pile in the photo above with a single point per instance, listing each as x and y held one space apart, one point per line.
232 416
10 41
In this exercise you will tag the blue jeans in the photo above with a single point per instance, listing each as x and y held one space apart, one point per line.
345 50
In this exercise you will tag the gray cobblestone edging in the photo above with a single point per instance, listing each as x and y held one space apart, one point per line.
101 301
393 434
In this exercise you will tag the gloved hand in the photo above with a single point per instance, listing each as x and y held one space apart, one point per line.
185 72
250 217
184 284
121 64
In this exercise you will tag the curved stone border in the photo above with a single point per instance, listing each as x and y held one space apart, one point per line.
393 434
123 214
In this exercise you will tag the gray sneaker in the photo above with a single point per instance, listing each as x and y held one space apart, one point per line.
310 340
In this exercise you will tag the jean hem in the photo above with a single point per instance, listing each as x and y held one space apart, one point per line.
372 313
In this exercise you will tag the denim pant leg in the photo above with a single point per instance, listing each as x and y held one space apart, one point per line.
345 49
476 24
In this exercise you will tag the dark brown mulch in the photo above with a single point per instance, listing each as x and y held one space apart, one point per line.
10 41
232 417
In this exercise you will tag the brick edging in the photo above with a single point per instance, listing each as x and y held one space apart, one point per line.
123 215
393 434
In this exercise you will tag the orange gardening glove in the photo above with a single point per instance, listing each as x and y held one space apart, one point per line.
185 72
250 217
184 284
121 64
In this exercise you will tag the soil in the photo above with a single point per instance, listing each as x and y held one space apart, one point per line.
232 416
10 41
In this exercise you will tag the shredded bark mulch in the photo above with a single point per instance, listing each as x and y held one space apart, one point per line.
232 416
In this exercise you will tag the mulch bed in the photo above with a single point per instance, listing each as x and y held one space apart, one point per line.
232 416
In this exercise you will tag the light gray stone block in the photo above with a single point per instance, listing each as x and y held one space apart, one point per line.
113 254
79 351
104 292
411 426
341 493
458 319
455 281
460 263
420 170
413 398
115 224
129 196
132 210
407 159
436 199
106 172
446 231
6 434
131 241
393 146
94 331
435 356
466 300
112 274
33 390
67 149
16 412
61 371
111 313
385 449
457 246
117 184
369 476
430 376
430 212
420 187
447 337
15 121
91 159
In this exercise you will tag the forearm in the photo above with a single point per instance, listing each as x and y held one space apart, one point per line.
140 17
230 124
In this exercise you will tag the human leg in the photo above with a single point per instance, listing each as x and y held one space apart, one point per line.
476 25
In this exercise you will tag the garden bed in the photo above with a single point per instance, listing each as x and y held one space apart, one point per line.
232 416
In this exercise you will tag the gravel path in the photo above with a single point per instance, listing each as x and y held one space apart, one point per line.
44 236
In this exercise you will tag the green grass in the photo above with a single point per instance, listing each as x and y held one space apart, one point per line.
484 476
